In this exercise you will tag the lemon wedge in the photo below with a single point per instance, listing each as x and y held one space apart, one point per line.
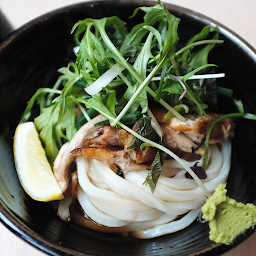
34 171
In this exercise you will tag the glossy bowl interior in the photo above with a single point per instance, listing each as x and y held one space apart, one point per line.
5 26
29 59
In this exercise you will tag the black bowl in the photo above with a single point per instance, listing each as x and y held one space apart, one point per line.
5 26
29 58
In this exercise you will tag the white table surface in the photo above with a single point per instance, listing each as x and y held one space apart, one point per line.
238 15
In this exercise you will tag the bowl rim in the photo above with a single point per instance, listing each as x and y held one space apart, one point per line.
228 32
8 218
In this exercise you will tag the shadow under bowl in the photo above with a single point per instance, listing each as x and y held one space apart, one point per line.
29 59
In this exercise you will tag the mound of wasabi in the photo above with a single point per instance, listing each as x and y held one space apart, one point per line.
227 218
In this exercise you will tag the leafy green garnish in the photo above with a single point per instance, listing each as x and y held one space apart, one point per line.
201 57
144 129
240 114
154 172
121 74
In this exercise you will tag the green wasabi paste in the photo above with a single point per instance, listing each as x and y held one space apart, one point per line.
227 218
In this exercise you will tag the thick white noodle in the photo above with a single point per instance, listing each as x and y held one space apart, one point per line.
171 227
114 201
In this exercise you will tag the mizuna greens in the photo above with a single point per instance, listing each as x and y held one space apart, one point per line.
121 74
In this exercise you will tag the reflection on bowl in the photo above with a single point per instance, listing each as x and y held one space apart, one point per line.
29 59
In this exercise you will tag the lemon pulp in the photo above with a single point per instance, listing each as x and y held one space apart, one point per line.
33 169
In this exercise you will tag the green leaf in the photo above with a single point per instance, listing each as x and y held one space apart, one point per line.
168 51
141 67
142 60
144 129
38 97
204 33
201 57
66 126
61 100
154 173
240 114
191 95
45 123
70 72
57 119
161 84
135 37
174 88
119 26
172 37
111 103
96 103
81 119
153 13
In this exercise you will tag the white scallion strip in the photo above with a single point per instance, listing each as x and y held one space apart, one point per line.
155 124
195 77
206 76
76 49
105 79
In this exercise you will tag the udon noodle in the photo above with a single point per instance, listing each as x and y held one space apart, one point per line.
131 207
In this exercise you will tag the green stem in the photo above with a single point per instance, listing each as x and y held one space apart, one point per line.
135 95
209 130
54 89
84 112
166 105
153 144
174 64
198 43
135 74
169 152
